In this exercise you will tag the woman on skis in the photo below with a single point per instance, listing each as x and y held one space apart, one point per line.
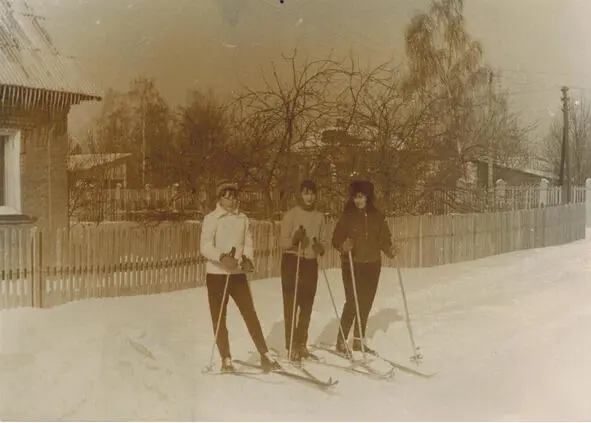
226 243
302 241
361 233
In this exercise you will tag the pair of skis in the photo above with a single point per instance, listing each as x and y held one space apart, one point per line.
367 369
253 370
355 366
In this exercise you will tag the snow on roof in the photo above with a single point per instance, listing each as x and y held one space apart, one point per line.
531 165
29 59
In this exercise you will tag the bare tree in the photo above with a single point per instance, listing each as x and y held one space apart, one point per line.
390 127
277 121
152 132
112 131
90 185
137 121
410 128
446 67
202 129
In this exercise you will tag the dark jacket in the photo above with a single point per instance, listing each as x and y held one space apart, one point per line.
368 230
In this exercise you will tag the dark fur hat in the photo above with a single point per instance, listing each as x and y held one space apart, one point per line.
361 186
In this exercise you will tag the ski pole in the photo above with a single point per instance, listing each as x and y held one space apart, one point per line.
295 302
336 312
217 328
358 318
417 355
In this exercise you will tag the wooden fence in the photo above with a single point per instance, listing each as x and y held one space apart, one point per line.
40 269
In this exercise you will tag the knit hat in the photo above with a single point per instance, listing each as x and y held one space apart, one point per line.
361 186
224 186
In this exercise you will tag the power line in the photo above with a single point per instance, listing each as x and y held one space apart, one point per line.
545 88
579 88
540 90
538 72
527 80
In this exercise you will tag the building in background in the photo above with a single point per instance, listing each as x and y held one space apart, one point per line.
102 170
38 86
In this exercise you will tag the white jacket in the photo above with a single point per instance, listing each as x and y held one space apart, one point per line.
220 231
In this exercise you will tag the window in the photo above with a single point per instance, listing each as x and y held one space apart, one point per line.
10 173
2 177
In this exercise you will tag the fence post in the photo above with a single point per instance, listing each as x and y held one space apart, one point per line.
33 265
174 192
545 225
148 195
37 268
588 202
453 239
118 202
500 191
474 238
421 216
543 198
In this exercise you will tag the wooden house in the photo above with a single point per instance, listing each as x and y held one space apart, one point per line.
38 86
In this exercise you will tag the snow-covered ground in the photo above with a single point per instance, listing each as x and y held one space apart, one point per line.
509 337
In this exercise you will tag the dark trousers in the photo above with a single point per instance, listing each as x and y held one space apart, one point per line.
239 290
367 276
307 284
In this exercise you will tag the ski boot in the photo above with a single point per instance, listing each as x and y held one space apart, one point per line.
342 349
227 366
305 353
295 358
357 347
269 363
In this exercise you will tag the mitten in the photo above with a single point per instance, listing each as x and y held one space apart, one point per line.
246 265
317 247
299 237
228 260
393 252
347 245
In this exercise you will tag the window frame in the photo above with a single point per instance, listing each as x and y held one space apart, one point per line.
12 204
3 140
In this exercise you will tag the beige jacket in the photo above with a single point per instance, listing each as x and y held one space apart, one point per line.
313 223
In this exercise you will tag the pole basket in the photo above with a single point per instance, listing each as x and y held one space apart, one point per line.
418 357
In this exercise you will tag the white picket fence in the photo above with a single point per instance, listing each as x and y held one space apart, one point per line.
42 269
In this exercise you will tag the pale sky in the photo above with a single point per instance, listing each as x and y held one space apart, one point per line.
539 45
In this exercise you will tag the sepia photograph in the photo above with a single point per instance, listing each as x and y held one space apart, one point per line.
295 210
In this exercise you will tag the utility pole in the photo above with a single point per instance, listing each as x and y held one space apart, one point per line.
490 184
564 162
143 117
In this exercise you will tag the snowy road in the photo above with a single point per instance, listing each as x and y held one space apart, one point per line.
509 337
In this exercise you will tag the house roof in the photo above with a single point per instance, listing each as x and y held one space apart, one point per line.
530 165
78 162
29 59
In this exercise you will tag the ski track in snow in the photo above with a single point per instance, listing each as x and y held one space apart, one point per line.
507 336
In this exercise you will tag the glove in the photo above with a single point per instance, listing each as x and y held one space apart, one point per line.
246 265
299 237
228 260
347 245
317 247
